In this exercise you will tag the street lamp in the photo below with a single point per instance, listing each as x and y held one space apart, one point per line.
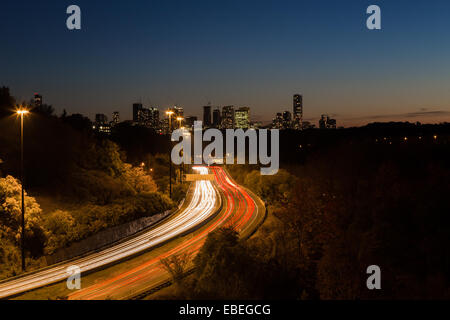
180 119
170 113
22 112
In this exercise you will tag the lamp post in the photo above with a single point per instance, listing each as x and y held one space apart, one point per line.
170 113
22 112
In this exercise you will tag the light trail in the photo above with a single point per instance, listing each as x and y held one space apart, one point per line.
240 212
200 208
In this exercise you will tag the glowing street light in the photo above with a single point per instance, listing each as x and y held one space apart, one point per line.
180 120
22 112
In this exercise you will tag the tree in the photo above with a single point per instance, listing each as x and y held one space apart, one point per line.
224 267
77 122
7 102
44 109
136 178
176 265
60 230
11 216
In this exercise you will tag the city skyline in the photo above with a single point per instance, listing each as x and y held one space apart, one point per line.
226 117
239 53
150 117
208 153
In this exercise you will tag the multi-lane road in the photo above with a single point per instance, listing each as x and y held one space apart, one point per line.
213 204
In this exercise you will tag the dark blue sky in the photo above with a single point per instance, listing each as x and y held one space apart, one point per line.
245 53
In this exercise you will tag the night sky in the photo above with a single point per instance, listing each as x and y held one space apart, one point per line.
243 53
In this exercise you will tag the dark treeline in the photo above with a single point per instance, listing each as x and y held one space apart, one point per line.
137 141
77 183
348 200
296 146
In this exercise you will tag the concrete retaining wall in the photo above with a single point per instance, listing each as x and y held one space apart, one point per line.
105 238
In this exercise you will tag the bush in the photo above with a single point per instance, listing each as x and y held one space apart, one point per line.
60 228
11 216
10 226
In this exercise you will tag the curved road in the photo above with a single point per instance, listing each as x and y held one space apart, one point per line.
241 210
201 207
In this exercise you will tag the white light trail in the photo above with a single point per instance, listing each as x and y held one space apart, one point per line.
199 209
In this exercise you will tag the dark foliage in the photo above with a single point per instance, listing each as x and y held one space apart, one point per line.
361 200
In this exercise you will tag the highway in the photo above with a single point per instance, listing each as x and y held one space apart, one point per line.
203 205
241 210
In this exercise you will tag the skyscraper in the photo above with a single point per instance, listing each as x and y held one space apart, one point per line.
326 122
100 118
137 108
277 122
179 111
298 111
207 116
216 118
116 118
323 121
287 120
153 118
189 121
101 123
228 117
148 117
331 123
37 100
242 118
